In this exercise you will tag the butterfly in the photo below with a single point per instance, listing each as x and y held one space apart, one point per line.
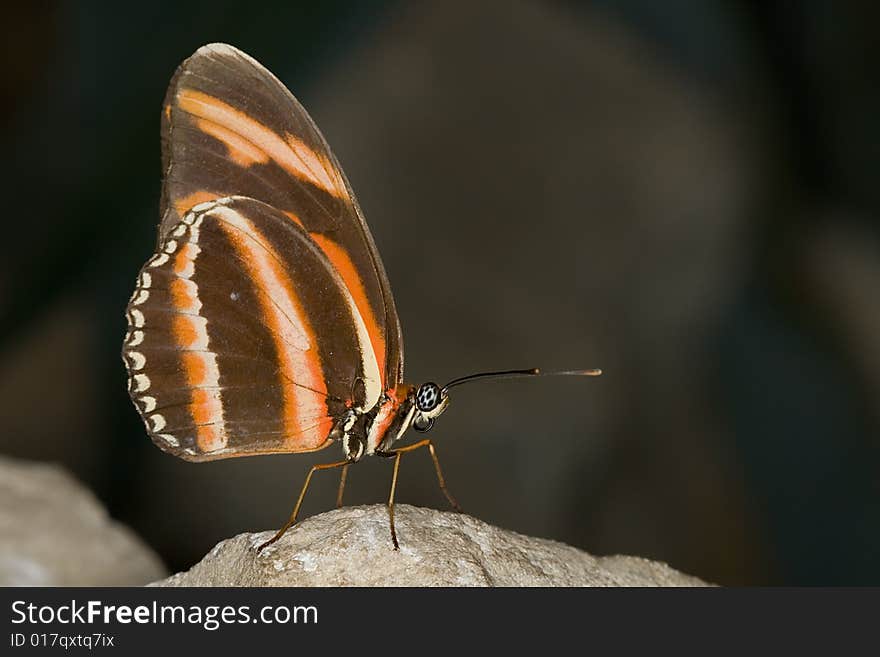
264 322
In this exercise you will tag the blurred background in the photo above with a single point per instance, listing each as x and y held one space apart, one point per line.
683 194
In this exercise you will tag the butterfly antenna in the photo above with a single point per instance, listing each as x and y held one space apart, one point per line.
516 374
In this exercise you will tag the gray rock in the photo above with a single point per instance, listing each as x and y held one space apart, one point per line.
54 532
352 547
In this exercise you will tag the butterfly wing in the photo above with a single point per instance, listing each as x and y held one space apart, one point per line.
231 128
243 337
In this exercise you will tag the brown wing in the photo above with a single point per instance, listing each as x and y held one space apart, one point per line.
230 128
243 338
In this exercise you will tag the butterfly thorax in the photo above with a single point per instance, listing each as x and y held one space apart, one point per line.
367 432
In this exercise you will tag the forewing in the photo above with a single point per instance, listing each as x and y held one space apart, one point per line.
243 338
230 128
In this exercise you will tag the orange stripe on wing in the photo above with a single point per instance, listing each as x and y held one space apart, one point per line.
203 407
295 340
184 262
184 295
196 369
199 367
287 151
355 284
190 332
185 203
294 219
240 150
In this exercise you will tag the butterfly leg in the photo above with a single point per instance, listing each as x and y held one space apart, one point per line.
292 520
391 500
341 486
396 454
433 452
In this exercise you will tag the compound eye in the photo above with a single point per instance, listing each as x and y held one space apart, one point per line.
427 397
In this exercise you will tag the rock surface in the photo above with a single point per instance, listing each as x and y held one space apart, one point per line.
352 547
54 532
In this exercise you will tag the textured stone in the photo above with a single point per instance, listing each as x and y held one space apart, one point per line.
54 532
352 547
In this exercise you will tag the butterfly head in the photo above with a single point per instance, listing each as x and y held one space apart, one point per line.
430 402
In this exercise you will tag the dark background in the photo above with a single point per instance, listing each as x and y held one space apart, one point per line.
683 194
